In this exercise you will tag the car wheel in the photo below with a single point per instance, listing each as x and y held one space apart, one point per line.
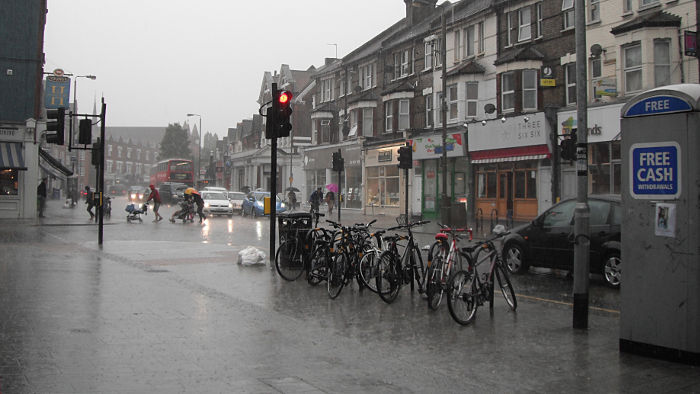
514 258
612 269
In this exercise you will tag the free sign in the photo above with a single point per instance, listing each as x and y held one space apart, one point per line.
655 171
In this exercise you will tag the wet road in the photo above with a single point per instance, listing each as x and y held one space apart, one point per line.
165 308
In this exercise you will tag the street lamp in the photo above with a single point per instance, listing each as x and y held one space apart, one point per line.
199 147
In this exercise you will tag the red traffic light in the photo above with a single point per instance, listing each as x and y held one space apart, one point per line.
284 97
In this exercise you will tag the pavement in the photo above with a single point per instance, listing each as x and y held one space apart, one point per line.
164 308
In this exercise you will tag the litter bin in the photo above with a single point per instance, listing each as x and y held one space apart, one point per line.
293 226
458 214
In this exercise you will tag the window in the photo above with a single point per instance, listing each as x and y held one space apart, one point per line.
341 87
457 45
525 184
326 90
509 28
627 6
119 152
649 3
507 92
325 130
633 68
397 65
529 89
404 115
594 10
604 167
109 150
538 16
486 184
452 102
367 122
405 63
560 215
438 48
570 76
472 97
596 74
429 121
128 153
9 182
383 185
662 63
109 166
567 7
469 41
367 76
480 28
429 55
388 116
349 84
524 19
148 155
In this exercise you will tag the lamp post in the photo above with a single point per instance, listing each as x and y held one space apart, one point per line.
199 149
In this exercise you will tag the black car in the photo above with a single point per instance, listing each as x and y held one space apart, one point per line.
548 241
169 191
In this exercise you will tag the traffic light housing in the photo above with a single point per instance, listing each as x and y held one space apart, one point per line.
55 126
96 151
284 113
405 157
85 131
338 162
568 147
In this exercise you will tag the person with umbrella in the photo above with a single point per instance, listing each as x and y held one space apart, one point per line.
330 200
292 197
315 200
197 200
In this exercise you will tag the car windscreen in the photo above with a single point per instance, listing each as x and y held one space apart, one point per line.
214 196
236 196
261 196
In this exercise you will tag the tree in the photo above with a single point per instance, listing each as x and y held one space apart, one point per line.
175 143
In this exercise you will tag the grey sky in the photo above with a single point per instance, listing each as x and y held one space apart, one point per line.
157 60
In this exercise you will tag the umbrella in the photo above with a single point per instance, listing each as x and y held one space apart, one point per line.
292 189
191 190
332 187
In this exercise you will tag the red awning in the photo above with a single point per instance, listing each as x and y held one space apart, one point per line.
510 154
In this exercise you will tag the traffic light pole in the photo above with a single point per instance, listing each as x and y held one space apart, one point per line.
101 174
273 175
340 182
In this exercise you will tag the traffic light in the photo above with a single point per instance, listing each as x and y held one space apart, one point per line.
85 131
96 159
284 112
405 157
55 125
338 162
568 147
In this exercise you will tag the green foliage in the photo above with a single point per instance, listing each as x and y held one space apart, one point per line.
175 143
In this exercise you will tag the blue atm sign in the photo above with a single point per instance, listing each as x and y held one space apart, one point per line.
655 170
658 105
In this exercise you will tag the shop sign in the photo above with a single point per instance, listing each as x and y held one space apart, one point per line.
384 155
516 131
57 92
430 147
605 87
655 170
603 122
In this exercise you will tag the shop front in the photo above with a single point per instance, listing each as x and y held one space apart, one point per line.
427 155
18 179
509 159
319 173
385 190
604 158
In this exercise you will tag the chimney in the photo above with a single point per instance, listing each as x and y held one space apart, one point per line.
418 10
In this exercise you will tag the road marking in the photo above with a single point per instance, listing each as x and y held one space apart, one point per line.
596 308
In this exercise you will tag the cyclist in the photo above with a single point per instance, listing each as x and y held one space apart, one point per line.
315 199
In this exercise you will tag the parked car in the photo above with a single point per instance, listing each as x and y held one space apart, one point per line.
136 194
548 241
168 191
216 203
237 199
254 204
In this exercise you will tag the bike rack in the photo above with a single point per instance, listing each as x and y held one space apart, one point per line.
494 210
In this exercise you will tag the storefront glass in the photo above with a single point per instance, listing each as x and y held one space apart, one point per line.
353 191
314 180
9 182
605 167
383 186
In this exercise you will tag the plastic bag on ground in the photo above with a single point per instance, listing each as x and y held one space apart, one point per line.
251 256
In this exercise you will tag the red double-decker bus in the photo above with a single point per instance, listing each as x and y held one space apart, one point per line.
173 170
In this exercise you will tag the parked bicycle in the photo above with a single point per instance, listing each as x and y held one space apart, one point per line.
468 289
297 243
395 269
443 259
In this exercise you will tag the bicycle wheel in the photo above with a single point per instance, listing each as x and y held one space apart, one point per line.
388 277
506 286
369 266
289 265
433 287
317 265
462 297
336 274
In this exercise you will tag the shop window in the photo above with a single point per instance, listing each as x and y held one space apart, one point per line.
9 182
519 184
531 184
525 184
486 184
383 185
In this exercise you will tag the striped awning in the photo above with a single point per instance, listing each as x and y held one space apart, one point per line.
11 156
519 153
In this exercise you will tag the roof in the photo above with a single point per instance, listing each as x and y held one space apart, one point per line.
138 135
519 54
467 67
655 19
398 86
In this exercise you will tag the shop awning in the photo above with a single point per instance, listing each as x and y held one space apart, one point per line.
11 156
53 162
519 153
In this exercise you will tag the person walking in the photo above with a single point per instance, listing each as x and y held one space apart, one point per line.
90 201
155 196
41 197
315 200
330 200
292 198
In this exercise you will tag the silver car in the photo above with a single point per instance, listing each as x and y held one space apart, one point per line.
236 199
217 203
